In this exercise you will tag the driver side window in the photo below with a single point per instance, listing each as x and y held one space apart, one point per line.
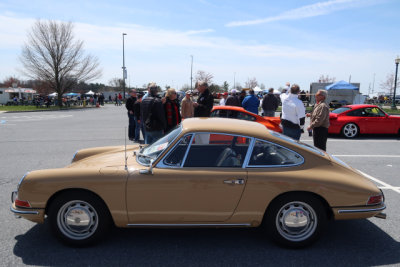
217 150
176 156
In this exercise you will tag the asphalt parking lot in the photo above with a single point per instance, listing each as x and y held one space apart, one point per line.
39 140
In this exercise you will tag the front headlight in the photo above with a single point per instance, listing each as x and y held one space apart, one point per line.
23 177
73 157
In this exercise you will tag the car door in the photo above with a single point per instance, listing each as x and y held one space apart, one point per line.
200 180
376 121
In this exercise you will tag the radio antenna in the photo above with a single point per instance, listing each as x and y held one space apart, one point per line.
126 158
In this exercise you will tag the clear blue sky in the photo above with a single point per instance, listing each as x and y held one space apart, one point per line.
273 41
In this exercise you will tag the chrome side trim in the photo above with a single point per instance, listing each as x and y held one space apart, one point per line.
32 212
362 210
185 224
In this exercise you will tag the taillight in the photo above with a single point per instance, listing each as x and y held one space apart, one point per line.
22 204
373 200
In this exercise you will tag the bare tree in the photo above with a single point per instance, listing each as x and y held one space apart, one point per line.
251 83
262 86
388 84
204 76
185 87
326 79
54 56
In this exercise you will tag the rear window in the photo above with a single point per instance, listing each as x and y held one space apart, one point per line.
340 110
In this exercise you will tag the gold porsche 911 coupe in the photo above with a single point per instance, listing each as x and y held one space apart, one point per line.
207 172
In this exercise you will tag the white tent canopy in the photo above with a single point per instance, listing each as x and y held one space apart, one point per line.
90 93
53 94
257 89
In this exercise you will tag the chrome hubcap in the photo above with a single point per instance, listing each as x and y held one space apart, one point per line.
77 219
350 130
296 221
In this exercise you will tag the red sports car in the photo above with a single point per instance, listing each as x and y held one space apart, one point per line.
352 120
240 113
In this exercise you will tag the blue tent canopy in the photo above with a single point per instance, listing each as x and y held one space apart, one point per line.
72 94
341 85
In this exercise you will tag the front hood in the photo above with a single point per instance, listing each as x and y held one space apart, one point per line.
112 158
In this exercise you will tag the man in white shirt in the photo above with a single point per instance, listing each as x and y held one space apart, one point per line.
293 114
223 99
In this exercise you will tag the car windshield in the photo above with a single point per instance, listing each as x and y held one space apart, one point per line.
152 151
298 143
340 110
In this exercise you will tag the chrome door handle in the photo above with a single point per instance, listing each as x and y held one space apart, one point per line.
239 181
233 182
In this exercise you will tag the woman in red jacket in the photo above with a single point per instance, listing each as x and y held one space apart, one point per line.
171 108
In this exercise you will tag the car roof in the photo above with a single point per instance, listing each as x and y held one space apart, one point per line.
225 125
355 106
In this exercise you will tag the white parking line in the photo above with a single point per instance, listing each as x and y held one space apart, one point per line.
366 156
385 185
352 141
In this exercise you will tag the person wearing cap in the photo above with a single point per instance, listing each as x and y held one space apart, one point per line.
138 120
153 116
205 101
187 109
233 99
131 113
222 102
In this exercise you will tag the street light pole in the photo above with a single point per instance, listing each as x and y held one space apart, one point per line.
191 75
396 61
123 63
234 80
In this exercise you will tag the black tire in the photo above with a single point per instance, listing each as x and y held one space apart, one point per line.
304 210
350 130
79 218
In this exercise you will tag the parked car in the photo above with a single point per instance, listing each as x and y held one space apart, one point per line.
353 120
240 113
190 179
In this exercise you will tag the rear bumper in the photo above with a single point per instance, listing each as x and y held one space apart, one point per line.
346 213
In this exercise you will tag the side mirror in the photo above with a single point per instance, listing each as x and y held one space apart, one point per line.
149 170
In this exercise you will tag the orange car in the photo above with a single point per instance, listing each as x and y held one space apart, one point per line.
240 113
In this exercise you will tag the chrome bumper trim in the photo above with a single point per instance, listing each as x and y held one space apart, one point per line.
186 224
362 210
32 212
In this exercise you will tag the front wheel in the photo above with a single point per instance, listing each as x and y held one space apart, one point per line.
350 130
79 218
295 220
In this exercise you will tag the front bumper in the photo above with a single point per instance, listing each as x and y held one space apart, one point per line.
31 214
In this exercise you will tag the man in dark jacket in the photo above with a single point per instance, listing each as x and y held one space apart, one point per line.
233 99
153 116
131 114
205 102
270 103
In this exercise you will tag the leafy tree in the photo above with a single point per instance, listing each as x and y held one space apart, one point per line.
53 56
225 86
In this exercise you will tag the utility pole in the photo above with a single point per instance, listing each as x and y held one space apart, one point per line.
234 80
123 63
191 75
373 84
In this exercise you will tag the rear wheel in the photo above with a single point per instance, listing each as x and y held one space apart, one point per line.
79 218
295 220
350 130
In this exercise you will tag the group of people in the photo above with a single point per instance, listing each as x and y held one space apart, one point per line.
155 116
293 116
